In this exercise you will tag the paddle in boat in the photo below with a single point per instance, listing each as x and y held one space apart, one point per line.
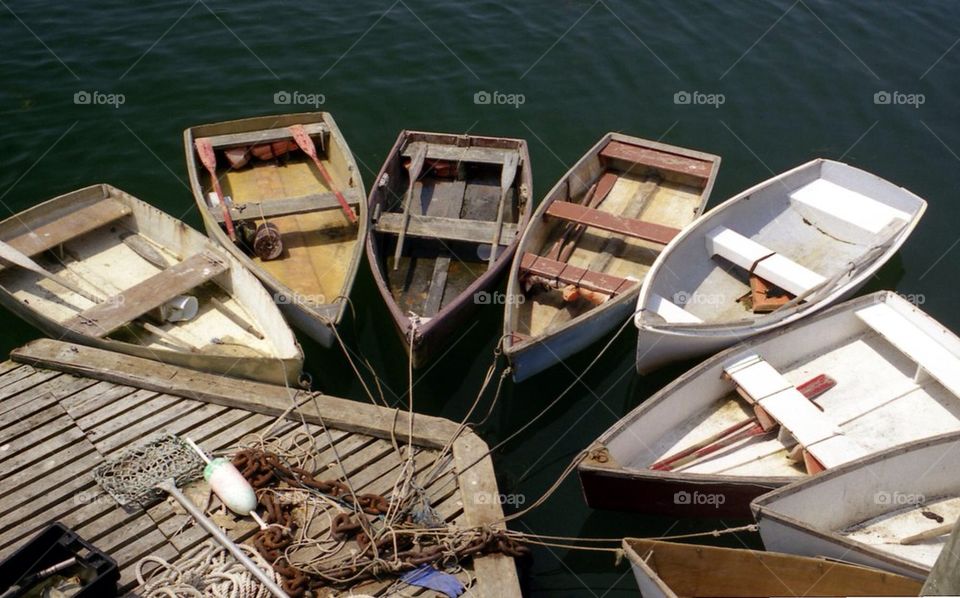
670 569
99 267
592 241
447 212
864 376
893 510
777 252
283 195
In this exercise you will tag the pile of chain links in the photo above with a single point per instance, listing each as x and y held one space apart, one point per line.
397 548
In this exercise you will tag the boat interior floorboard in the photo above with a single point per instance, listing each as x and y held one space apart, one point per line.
318 246
646 198
885 532
877 403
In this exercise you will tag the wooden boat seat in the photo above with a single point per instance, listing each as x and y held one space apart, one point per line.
768 265
286 207
560 272
263 136
448 229
121 309
453 153
844 212
931 357
595 218
671 312
75 224
765 386
658 159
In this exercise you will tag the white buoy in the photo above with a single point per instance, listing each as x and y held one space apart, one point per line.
228 484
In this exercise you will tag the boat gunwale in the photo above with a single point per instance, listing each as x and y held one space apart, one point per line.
515 348
315 312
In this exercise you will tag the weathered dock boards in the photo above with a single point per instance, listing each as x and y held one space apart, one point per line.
65 407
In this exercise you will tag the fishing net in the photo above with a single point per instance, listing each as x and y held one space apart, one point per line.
131 478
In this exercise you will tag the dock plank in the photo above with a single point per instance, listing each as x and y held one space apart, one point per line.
63 426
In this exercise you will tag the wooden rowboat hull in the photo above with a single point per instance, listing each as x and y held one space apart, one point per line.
431 301
649 188
312 280
670 569
820 231
873 503
65 233
893 381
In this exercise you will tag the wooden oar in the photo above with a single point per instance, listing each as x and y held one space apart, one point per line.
929 534
15 257
604 186
811 389
306 145
10 254
416 165
209 160
507 175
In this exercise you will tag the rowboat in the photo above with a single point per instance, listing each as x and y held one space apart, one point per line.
864 376
670 569
775 253
440 205
296 220
99 267
893 510
592 241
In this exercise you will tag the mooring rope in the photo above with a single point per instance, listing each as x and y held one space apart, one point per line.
207 571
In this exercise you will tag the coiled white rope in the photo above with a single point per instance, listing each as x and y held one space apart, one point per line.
207 571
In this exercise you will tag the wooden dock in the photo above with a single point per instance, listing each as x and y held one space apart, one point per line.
64 408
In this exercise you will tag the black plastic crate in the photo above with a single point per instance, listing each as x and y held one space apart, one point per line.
54 545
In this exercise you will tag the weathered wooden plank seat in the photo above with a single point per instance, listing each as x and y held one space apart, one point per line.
263 136
814 430
75 224
768 265
658 159
545 267
103 318
448 229
595 218
442 151
289 206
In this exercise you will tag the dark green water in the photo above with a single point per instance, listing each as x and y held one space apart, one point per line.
798 81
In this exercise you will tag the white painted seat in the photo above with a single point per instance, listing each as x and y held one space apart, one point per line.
801 418
767 264
844 213
671 312
931 356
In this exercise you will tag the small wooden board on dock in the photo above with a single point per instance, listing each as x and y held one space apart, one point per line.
64 408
